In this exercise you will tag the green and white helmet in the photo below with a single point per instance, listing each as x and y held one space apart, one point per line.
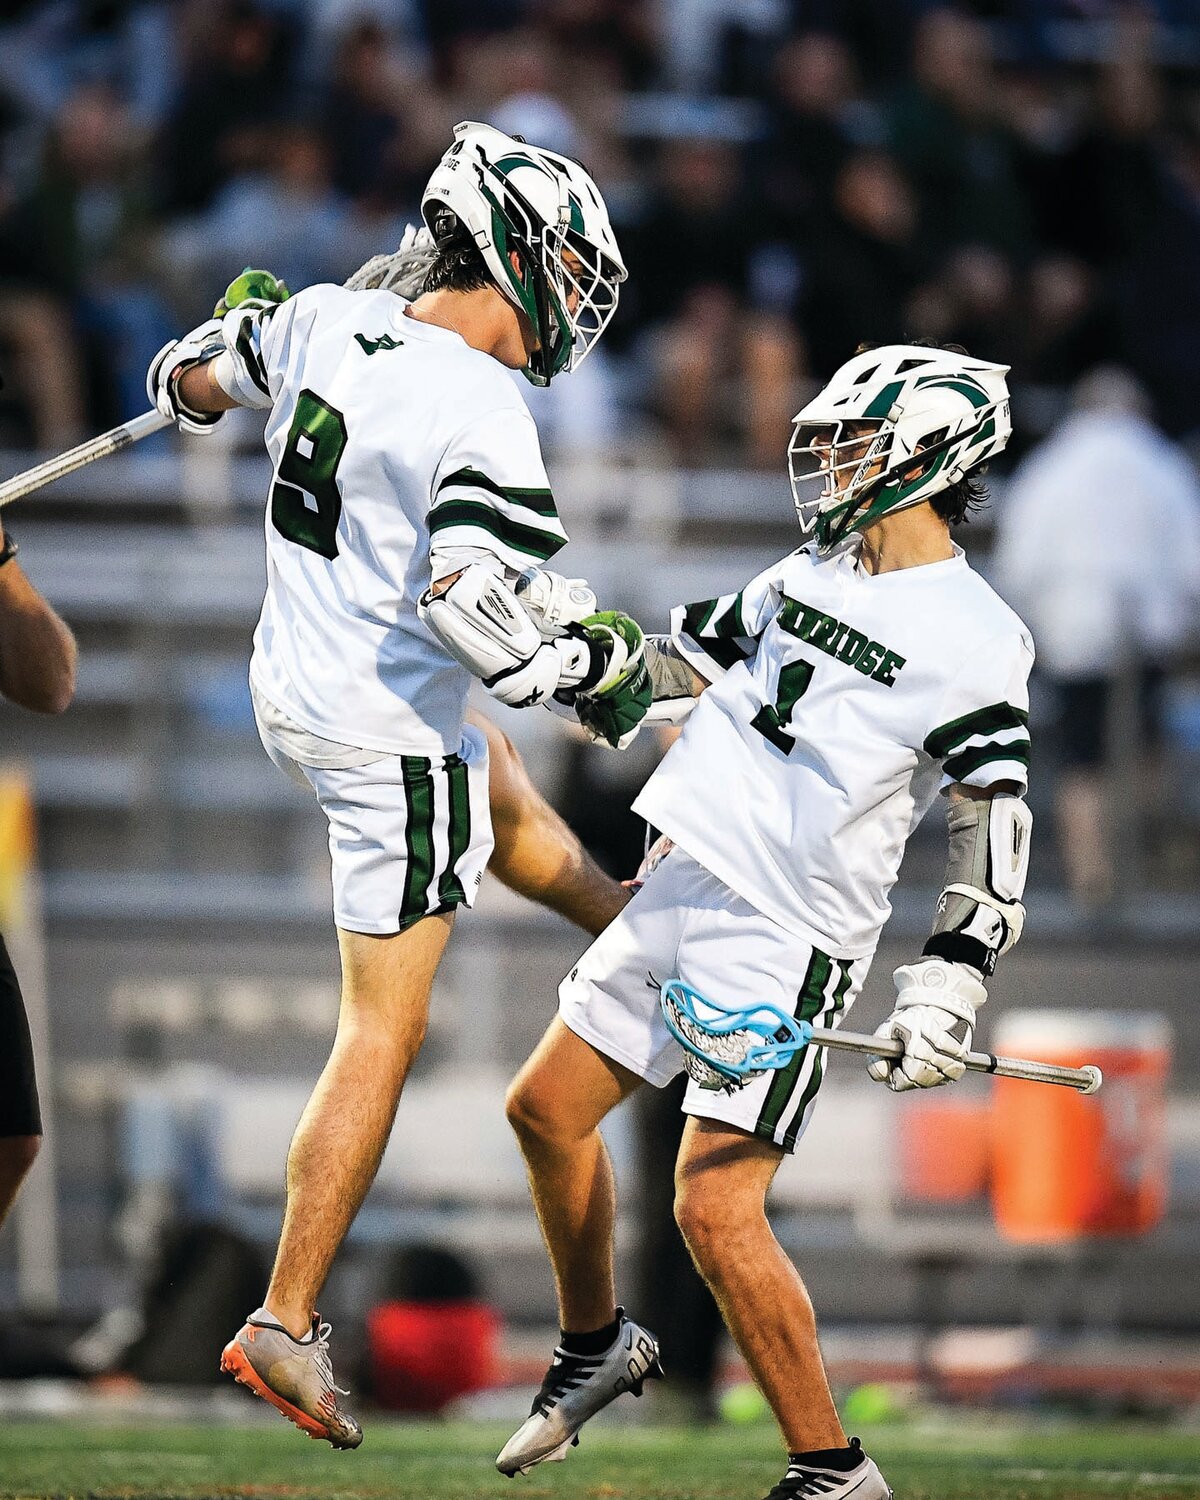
895 426
507 195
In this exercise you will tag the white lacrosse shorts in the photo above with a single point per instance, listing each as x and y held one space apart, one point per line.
409 835
686 924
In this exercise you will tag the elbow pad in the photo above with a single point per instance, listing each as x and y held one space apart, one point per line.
483 625
979 912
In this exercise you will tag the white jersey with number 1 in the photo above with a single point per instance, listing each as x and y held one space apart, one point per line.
847 700
389 437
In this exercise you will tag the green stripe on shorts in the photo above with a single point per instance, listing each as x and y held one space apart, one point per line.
836 1006
418 838
450 889
808 1006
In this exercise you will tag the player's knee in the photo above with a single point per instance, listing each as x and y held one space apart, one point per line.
702 1213
534 1110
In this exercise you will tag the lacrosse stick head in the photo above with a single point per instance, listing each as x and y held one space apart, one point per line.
725 1046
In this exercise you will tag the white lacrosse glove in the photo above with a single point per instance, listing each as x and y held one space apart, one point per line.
934 1017
162 378
554 602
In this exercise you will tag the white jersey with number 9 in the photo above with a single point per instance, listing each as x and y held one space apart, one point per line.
388 437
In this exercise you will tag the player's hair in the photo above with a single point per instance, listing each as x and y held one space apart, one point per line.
970 493
459 267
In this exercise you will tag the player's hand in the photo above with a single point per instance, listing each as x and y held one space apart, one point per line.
934 1017
252 289
613 710
553 602
168 365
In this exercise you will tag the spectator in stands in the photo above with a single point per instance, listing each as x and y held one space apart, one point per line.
37 342
364 113
718 358
1112 184
865 265
947 131
37 671
285 215
84 232
1099 549
971 302
814 121
238 86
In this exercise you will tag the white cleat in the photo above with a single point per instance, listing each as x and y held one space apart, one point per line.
863 1482
576 1387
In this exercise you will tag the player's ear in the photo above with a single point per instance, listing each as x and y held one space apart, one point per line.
517 262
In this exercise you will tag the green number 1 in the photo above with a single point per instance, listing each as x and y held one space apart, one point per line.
306 503
771 717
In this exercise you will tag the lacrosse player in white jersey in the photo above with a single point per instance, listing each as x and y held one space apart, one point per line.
408 518
837 693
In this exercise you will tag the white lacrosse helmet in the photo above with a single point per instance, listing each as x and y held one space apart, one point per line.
507 195
895 426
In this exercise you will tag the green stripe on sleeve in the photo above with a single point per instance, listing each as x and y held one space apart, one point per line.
418 838
987 720
697 616
475 513
254 365
809 1003
968 761
450 889
540 501
724 654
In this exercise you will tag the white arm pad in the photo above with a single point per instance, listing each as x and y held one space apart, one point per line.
482 624
979 912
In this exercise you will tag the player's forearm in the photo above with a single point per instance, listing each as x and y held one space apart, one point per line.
199 391
671 675
37 649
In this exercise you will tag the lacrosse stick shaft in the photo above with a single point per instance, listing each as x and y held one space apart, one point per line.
108 443
1087 1080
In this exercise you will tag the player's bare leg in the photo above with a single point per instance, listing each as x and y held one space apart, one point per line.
17 1154
333 1159
721 1186
555 1105
537 854
342 1134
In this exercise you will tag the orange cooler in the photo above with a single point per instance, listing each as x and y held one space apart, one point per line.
1065 1165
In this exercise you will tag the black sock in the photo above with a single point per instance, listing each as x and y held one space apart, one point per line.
590 1343
841 1460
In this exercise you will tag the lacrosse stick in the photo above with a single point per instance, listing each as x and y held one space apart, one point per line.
402 271
732 1044
108 443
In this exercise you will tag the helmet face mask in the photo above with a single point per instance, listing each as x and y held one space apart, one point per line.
509 197
892 429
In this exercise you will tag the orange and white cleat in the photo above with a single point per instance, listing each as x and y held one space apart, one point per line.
294 1375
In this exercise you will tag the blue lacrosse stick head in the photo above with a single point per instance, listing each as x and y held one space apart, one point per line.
701 1026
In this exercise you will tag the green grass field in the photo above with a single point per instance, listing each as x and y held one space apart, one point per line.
955 1459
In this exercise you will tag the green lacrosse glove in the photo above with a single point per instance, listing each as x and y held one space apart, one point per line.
259 287
616 706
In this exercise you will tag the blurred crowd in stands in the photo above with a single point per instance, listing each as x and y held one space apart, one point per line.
788 177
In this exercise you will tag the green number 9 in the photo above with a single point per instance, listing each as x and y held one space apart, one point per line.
306 503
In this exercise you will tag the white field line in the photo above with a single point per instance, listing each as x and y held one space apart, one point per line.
1098 1476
